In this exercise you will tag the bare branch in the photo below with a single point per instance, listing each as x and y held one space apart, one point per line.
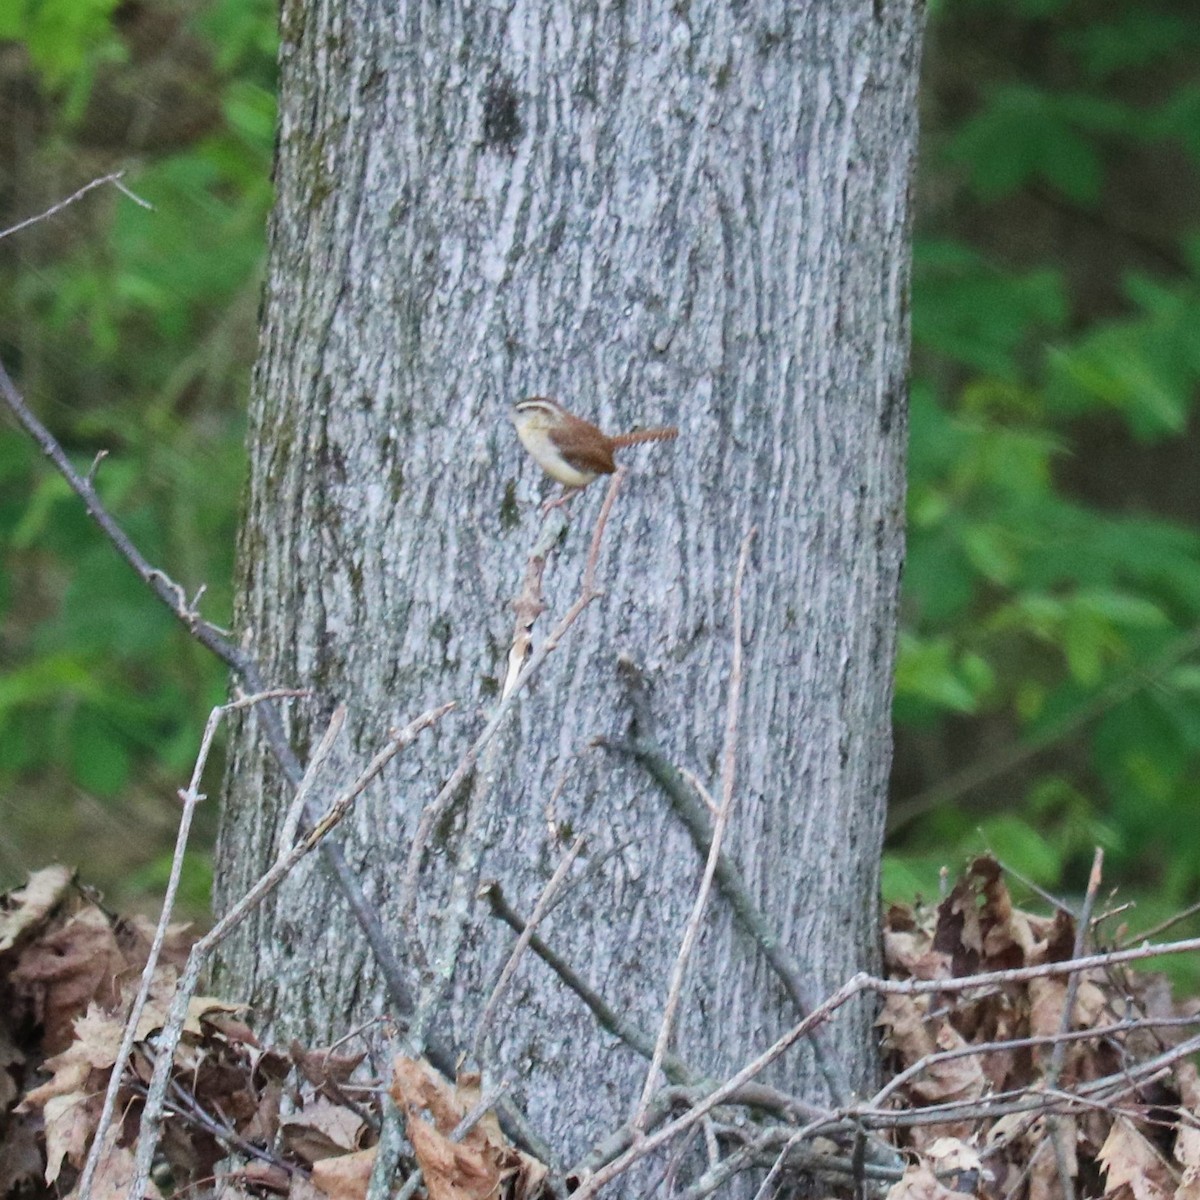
728 768
191 798
169 1038
1058 1131
543 903
434 810
384 947
113 177
295 813
729 879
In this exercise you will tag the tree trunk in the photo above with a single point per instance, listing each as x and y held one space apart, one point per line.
694 214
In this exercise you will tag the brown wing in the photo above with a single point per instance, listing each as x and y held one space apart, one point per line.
584 446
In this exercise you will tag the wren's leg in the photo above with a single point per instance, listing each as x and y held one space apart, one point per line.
568 494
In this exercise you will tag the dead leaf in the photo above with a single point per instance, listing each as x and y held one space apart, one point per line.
904 1020
346 1178
118 1165
956 1165
67 969
473 1168
1047 998
264 1176
324 1130
955 1078
27 906
202 1008
324 1070
920 1183
70 1122
1129 1160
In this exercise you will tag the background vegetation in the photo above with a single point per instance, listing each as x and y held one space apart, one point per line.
1048 688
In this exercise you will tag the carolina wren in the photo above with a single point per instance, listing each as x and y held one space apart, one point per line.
567 447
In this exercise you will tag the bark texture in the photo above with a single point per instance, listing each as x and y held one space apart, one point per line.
657 213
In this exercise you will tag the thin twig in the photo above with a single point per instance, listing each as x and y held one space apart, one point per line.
191 797
733 888
113 177
528 605
173 1029
608 1018
522 943
295 813
188 1109
728 770
1058 1056
1162 927
958 1110
720 1095
1044 1039
434 810
389 1149
479 1110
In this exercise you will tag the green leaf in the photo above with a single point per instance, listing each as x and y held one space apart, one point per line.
1019 846
1020 136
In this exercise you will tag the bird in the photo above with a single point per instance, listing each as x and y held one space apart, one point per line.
570 449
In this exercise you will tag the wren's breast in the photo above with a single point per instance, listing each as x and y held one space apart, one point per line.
550 459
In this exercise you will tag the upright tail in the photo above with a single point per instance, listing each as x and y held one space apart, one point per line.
664 433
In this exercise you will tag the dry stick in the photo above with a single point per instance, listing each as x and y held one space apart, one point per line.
862 982
456 911
728 770
113 177
1021 1101
986 770
291 823
389 1149
748 1156
1162 926
752 1155
719 1095
483 758
764 1191
384 947
436 807
689 1084
191 798
1045 1039
690 1087
1106 1088
189 1111
464 885
734 889
607 1017
1058 1055
523 939
173 1029
1104 1091
528 605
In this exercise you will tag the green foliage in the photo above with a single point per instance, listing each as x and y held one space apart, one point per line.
133 330
67 41
1067 624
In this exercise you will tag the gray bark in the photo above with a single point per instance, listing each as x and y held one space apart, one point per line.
657 213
